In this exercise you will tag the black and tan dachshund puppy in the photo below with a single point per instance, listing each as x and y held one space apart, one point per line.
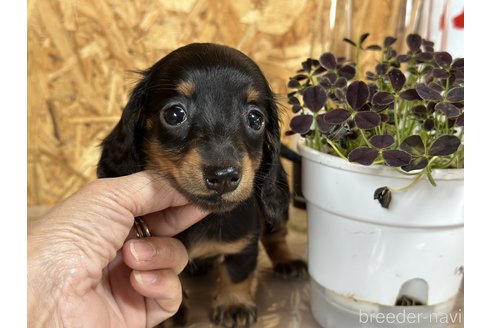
204 118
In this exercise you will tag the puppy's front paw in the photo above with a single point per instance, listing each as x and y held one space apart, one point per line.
290 269
235 315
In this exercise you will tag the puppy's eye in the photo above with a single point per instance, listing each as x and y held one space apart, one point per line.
255 120
174 115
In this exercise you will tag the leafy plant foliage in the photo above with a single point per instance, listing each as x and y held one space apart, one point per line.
408 113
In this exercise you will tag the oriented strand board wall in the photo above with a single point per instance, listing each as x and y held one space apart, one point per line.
80 54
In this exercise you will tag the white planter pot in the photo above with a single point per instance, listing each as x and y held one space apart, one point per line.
363 257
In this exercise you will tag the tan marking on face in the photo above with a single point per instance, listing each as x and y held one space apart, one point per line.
212 248
252 95
159 159
186 88
229 293
187 171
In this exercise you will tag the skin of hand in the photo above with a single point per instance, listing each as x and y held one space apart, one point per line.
85 270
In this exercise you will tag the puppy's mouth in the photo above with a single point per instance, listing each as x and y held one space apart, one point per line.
215 187
216 203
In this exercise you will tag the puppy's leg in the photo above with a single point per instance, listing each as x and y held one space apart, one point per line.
234 305
285 264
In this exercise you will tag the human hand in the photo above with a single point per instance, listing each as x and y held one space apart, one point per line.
82 273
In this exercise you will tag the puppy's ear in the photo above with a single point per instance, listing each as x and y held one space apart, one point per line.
274 188
121 154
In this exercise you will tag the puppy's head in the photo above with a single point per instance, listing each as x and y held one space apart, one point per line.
204 117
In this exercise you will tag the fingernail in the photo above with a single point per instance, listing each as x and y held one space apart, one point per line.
142 250
145 277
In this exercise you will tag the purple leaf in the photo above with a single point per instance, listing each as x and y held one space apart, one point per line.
429 124
456 94
443 59
460 121
381 68
363 38
300 77
410 94
363 155
336 116
419 110
319 70
357 94
417 163
423 57
314 98
328 60
444 145
448 109
350 42
402 58
458 64
436 86
323 125
396 157
383 98
427 93
293 84
341 82
373 47
296 108
293 100
414 41
347 71
397 79
340 94
307 64
332 77
367 120
382 141
388 41
413 145
301 123
440 73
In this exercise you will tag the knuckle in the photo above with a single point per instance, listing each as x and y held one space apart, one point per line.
173 252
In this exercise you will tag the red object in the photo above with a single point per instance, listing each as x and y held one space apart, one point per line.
459 21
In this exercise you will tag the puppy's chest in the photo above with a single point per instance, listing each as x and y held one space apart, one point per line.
222 234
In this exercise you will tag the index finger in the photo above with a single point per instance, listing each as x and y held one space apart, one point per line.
139 193
173 220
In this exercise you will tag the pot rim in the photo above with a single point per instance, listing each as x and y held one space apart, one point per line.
378 170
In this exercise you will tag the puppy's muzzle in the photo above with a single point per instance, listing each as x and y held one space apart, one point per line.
222 179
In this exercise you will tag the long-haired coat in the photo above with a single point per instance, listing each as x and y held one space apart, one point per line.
204 118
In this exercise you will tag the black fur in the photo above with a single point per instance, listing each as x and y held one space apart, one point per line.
216 128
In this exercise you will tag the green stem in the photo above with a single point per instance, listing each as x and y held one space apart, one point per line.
317 136
363 134
414 182
397 127
417 178
335 148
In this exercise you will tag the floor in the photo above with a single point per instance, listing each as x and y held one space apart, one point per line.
282 304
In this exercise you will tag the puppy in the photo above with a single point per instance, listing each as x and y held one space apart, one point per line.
204 118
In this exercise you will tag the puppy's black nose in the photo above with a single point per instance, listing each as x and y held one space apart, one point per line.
222 180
